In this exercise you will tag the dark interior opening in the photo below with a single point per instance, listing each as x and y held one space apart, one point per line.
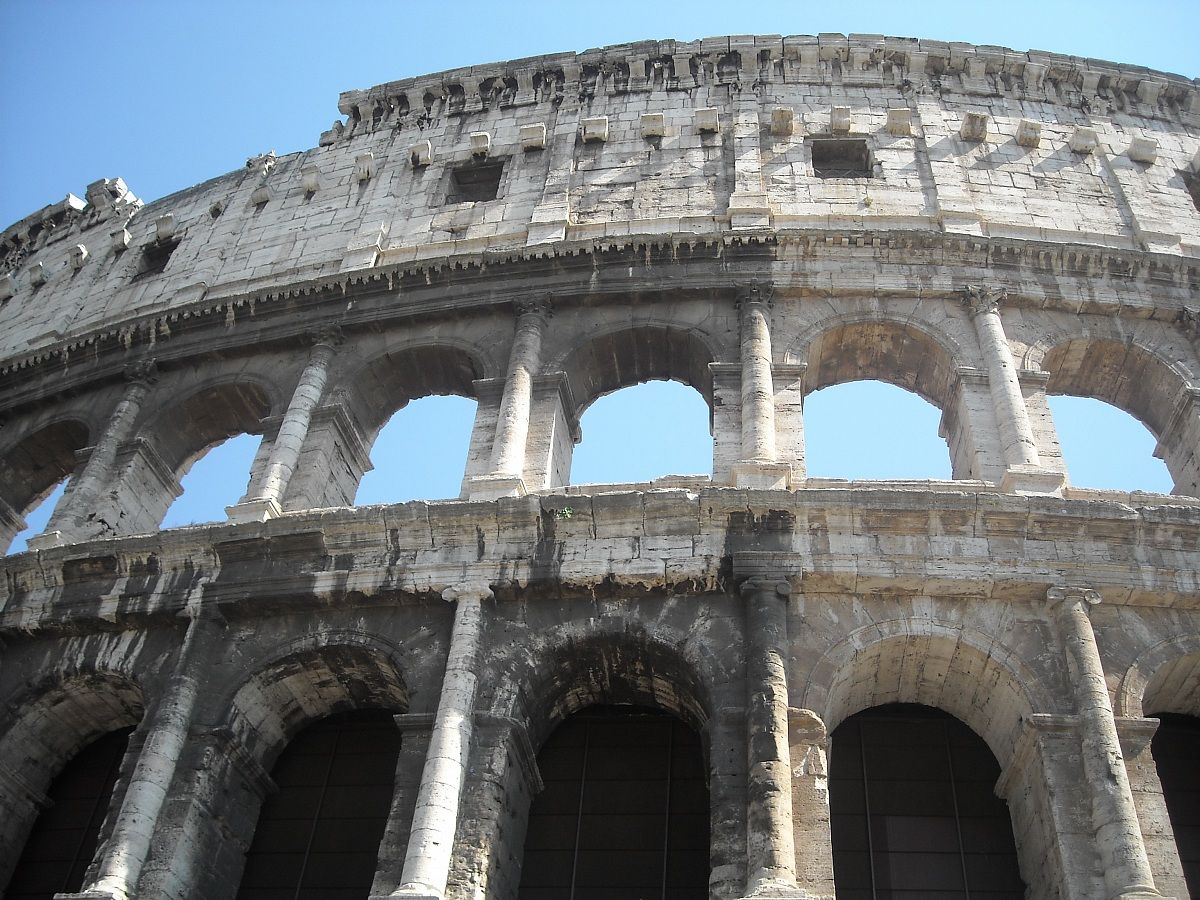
155 257
475 181
318 835
1192 181
913 812
1176 750
65 836
624 813
841 158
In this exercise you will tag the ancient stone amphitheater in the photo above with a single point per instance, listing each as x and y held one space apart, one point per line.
748 683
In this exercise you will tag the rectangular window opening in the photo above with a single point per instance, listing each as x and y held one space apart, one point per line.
474 182
1192 181
841 158
155 257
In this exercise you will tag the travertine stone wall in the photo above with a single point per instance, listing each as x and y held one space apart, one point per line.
1026 230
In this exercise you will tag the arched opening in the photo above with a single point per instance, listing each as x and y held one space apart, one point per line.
1176 750
903 356
319 833
648 431
421 453
873 430
37 518
33 475
1134 380
66 834
214 481
413 406
176 440
913 812
56 722
1105 447
314 678
624 811
643 432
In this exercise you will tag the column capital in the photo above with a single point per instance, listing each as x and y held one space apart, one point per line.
979 299
541 307
467 590
755 293
1061 597
757 584
329 336
143 371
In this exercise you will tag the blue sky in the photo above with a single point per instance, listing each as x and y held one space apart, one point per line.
168 94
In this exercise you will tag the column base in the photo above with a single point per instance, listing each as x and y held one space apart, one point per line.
410 892
494 487
778 890
46 540
761 476
1033 480
253 511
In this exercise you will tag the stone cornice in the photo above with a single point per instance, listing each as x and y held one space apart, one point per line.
475 266
924 542
752 61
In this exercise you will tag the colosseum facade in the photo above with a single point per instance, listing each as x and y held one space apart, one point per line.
747 683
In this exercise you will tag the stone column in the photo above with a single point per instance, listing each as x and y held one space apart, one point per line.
68 521
266 500
431 839
415 729
1023 469
115 874
770 845
512 428
1118 833
758 467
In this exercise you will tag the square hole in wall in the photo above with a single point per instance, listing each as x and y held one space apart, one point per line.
841 158
474 181
155 256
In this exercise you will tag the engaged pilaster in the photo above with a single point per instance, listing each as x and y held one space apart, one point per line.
435 821
1127 874
265 500
1024 472
758 467
69 521
506 478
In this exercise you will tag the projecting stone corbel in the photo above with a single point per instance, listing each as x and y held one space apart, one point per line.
899 121
7 287
79 255
1084 139
974 127
533 137
1143 149
421 154
839 120
164 228
37 274
707 120
594 129
364 166
783 121
311 176
1029 133
481 143
653 125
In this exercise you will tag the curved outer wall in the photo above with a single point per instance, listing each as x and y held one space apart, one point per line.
536 234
